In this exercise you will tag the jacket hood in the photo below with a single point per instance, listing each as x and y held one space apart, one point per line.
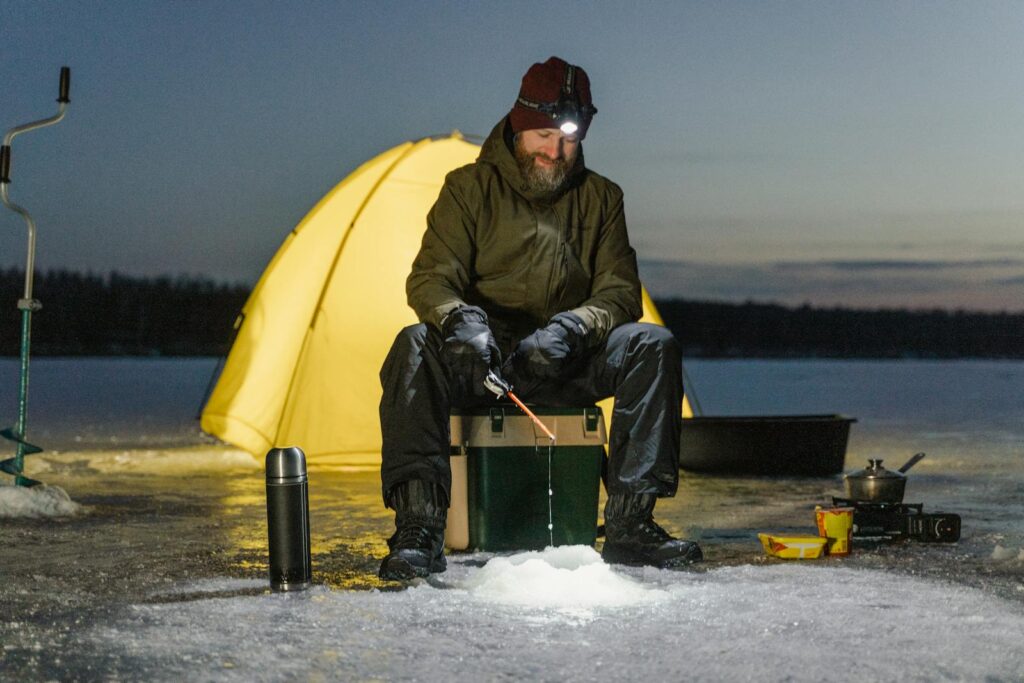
497 151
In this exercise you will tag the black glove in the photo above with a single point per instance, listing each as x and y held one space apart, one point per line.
469 349
549 351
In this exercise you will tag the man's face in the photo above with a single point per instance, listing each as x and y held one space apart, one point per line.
545 157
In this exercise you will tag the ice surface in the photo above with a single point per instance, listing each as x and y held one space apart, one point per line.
36 502
79 403
798 622
163 579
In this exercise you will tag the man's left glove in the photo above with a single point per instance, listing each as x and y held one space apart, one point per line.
469 350
549 351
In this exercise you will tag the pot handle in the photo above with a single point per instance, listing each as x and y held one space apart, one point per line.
910 463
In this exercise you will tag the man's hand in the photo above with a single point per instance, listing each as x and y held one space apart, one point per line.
547 353
469 350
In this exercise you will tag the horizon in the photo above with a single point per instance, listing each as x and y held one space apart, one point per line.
201 278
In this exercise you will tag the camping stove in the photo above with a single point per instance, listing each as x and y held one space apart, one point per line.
897 521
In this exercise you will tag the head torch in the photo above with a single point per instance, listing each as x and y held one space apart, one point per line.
567 113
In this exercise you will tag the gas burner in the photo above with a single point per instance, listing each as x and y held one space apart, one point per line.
872 506
900 521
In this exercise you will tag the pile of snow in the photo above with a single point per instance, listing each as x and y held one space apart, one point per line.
36 502
564 578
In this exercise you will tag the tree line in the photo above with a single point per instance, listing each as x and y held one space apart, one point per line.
756 330
96 315
115 314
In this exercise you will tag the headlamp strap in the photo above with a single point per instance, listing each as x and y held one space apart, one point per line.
570 80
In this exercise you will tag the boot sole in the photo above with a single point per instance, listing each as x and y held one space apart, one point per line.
629 558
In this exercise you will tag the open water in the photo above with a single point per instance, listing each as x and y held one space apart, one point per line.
158 572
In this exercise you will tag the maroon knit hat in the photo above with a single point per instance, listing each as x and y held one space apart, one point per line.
551 91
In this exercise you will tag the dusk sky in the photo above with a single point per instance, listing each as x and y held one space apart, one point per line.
857 153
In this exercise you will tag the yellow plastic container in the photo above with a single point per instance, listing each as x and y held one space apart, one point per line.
797 547
835 524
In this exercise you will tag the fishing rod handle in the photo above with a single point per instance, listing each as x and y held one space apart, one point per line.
5 164
65 84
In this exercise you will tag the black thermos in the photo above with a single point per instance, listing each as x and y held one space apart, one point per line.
291 567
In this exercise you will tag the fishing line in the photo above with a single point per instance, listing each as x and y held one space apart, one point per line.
551 493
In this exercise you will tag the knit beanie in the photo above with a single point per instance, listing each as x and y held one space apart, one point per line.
549 91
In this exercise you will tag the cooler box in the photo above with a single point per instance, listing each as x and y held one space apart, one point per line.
499 467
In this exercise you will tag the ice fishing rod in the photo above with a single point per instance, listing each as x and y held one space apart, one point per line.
16 465
501 388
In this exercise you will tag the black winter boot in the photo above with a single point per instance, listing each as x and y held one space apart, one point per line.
417 546
633 537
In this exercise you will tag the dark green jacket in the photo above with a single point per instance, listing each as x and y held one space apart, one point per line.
525 257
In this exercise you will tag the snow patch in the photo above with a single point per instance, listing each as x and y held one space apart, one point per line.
214 587
173 461
563 578
37 502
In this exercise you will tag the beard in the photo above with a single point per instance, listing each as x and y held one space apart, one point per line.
543 179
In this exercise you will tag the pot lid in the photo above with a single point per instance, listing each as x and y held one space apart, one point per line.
874 470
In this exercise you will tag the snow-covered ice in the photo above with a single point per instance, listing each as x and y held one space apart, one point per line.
176 461
164 576
516 618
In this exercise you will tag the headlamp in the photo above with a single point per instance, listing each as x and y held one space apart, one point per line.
567 113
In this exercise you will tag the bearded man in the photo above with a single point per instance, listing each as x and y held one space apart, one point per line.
526 271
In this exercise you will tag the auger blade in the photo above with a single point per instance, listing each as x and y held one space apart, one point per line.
26 447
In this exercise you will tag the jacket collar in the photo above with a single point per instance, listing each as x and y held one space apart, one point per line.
497 151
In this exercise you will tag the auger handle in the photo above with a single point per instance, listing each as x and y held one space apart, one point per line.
65 84
5 164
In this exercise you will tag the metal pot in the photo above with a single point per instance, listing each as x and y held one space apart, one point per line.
876 484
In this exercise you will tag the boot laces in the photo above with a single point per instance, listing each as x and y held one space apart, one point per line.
654 532
411 536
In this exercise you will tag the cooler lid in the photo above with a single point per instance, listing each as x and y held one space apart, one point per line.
505 426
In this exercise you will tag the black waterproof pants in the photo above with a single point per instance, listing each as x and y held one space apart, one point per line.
640 365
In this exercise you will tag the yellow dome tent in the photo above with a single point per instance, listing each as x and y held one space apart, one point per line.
315 330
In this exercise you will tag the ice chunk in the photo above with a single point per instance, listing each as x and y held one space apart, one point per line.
1000 553
37 501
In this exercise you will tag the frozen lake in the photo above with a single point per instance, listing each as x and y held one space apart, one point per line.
161 575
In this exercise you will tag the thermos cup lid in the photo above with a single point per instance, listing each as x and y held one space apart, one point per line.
286 463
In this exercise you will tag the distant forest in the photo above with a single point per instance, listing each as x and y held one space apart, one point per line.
114 315
102 315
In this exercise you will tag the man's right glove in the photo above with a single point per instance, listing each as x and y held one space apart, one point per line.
469 349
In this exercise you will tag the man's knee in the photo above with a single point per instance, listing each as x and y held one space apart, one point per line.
647 339
411 337
406 349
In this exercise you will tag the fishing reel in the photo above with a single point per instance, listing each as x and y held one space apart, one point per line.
496 385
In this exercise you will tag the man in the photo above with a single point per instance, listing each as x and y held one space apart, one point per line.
526 271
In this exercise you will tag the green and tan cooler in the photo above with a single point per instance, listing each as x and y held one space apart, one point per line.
500 478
